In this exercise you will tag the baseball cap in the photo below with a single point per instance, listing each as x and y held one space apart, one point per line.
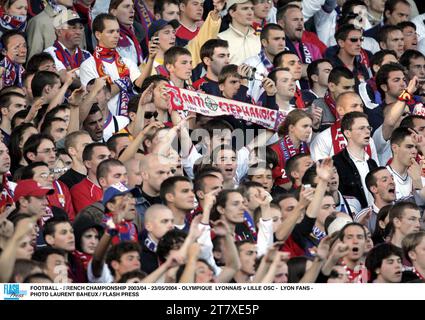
66 16
29 187
119 189
158 25
232 2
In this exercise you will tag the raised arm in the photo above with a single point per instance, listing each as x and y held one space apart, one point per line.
396 111
286 227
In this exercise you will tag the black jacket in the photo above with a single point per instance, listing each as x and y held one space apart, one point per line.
350 183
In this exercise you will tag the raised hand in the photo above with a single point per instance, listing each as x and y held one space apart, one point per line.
194 231
221 228
244 70
147 95
269 86
324 169
154 124
317 116
413 85
324 248
70 76
209 199
338 251
153 48
306 196
77 97
415 170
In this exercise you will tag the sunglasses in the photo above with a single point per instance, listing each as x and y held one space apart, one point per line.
150 114
354 40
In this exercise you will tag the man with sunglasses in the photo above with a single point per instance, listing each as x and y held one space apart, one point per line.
350 53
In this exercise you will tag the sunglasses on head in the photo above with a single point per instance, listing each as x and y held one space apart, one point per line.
150 114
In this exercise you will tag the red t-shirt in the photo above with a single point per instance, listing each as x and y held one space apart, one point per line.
184 33
62 199
280 176
84 194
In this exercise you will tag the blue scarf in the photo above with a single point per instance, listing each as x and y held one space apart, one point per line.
266 62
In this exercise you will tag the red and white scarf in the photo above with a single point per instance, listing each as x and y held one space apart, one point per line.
104 55
330 102
288 150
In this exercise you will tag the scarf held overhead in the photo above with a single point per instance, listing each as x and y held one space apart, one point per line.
213 106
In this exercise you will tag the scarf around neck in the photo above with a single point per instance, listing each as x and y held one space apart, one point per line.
127 34
12 74
10 22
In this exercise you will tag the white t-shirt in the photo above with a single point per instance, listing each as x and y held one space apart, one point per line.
403 185
109 126
129 52
105 277
383 147
88 71
321 147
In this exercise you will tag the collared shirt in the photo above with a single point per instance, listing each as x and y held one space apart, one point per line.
363 169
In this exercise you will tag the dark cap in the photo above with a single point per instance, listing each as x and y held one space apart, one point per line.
158 25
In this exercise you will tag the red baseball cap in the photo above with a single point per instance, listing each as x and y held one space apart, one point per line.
29 187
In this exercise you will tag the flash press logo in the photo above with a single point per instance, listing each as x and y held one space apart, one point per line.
13 292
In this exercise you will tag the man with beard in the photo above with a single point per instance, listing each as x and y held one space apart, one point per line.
380 184
353 163
290 17
353 235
